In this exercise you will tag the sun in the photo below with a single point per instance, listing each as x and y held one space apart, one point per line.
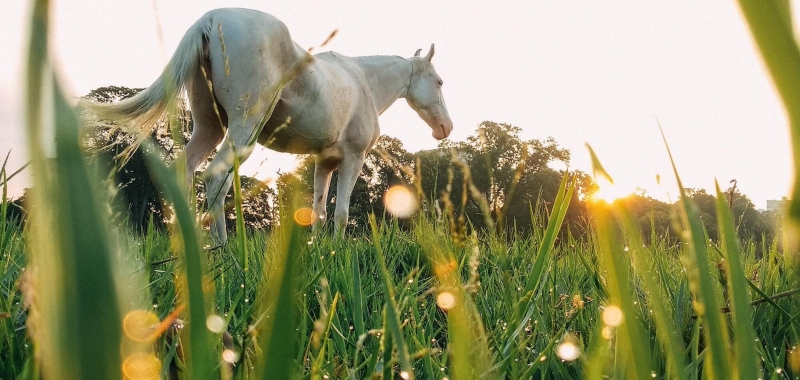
609 192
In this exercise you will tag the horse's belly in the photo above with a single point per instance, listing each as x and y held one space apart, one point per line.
297 133
318 105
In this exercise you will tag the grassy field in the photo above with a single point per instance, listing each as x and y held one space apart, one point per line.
341 291
83 299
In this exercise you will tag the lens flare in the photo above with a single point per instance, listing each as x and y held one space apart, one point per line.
230 356
139 325
612 316
609 192
215 324
568 351
304 216
608 332
400 202
446 300
141 366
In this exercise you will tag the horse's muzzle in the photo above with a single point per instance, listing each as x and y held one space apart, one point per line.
442 131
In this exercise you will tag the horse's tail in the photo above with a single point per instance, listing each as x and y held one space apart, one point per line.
145 109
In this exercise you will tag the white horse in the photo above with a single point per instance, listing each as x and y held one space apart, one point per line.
232 61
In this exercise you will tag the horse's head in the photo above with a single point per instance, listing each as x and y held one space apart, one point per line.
425 95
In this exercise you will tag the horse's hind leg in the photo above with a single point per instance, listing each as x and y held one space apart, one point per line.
219 176
210 123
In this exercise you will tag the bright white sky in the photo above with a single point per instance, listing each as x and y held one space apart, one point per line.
581 71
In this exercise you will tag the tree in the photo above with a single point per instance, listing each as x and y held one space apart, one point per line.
138 200
654 216
750 223
259 204
499 161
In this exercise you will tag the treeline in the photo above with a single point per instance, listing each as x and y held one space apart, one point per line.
493 180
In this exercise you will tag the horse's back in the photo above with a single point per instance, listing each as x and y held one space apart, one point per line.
248 51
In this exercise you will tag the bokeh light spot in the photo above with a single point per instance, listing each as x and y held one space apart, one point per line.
400 202
215 323
446 300
139 325
230 356
612 316
141 366
568 351
608 332
304 216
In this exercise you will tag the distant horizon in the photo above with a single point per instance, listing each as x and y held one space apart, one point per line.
573 72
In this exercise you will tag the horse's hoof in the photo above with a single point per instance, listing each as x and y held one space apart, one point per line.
209 248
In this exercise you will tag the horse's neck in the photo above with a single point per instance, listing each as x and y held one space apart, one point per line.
388 78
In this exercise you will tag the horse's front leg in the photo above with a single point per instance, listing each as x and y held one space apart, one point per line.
322 182
348 174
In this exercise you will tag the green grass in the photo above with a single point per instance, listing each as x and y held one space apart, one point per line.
336 321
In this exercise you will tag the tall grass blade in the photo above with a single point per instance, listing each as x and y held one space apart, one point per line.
557 214
202 361
524 309
316 371
630 341
771 26
741 316
70 278
241 233
392 317
667 330
468 346
277 336
702 283
597 167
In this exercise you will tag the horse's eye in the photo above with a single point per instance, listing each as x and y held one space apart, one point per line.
440 82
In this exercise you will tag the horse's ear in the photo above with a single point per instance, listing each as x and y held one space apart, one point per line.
417 53
430 54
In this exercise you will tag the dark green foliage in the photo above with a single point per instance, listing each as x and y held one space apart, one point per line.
135 195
